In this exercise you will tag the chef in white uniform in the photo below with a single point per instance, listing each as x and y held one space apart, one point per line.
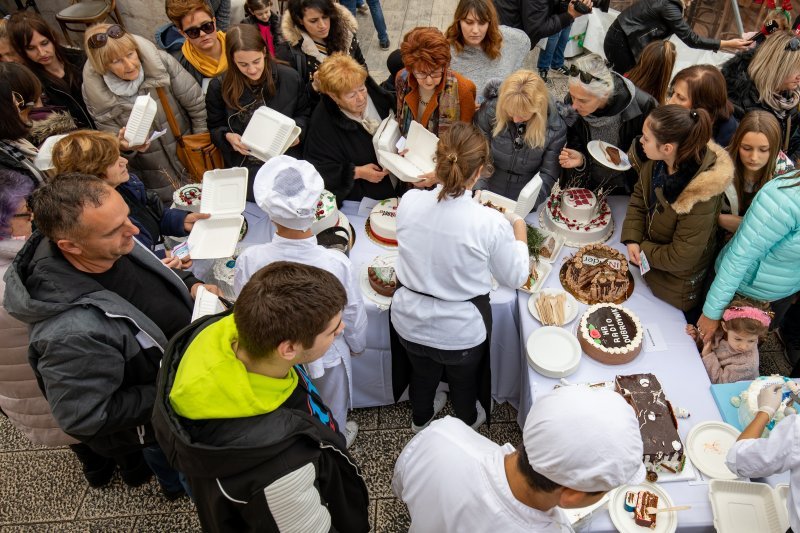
752 456
578 444
287 190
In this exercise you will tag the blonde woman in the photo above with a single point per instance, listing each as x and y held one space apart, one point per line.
769 81
525 132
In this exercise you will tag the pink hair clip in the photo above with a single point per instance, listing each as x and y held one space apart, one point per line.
747 312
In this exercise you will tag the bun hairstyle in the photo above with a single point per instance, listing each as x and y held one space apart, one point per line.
461 151
688 129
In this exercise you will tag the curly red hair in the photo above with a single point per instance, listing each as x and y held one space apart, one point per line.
425 50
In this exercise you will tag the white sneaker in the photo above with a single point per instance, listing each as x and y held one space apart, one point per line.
438 404
350 432
481 417
363 9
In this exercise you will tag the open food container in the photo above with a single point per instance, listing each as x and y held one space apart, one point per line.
269 133
524 204
44 158
224 198
419 159
141 118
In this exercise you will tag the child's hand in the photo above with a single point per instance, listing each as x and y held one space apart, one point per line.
691 331
708 347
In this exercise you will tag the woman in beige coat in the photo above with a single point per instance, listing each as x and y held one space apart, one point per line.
122 67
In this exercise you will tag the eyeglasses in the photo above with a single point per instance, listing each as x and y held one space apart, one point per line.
99 40
207 27
20 102
436 74
793 44
584 76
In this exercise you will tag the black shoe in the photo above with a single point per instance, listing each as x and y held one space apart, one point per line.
385 44
136 476
543 74
100 477
172 495
564 71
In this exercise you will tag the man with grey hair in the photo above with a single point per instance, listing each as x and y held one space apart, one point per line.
101 308
608 108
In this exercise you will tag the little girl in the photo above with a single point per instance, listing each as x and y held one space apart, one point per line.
259 13
734 356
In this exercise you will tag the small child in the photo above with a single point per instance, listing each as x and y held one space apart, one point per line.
734 355
259 13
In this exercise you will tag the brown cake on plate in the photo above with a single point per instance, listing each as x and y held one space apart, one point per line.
382 279
613 155
610 334
597 273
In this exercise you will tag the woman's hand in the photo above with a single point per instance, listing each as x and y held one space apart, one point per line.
235 140
569 158
633 254
735 45
370 172
707 328
124 146
426 180
191 218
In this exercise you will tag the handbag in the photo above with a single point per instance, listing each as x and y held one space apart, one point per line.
196 151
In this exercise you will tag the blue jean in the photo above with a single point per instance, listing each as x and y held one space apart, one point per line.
553 55
168 477
375 10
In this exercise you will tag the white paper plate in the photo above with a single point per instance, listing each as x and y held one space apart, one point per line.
597 149
553 352
623 520
744 507
544 270
369 292
570 308
707 445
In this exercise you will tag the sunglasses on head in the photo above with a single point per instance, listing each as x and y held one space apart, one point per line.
793 44
99 40
584 76
207 27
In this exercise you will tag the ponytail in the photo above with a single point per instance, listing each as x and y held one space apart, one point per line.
688 129
461 151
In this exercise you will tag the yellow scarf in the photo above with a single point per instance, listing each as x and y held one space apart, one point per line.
203 63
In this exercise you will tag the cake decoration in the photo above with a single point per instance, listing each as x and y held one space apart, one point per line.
579 215
382 279
383 222
326 213
597 273
188 197
611 334
747 401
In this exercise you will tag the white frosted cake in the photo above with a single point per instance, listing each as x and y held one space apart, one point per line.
223 272
188 197
578 215
383 221
326 213
747 400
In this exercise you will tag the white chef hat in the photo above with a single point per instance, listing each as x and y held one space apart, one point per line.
584 439
288 189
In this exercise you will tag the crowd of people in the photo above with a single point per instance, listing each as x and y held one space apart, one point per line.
246 411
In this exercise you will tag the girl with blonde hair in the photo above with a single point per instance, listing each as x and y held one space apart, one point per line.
525 131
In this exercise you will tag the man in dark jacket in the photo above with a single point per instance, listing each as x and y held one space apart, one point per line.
101 308
240 417
539 18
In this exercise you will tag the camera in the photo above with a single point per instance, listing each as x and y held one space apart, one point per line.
581 8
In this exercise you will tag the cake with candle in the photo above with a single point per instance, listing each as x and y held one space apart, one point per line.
383 222
581 216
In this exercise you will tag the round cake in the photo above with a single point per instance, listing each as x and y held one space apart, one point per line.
381 275
578 215
383 221
326 214
610 334
188 197
597 274
747 400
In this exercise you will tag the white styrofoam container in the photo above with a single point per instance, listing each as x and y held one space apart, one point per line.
744 507
528 195
419 158
206 303
44 158
387 135
269 133
224 198
141 118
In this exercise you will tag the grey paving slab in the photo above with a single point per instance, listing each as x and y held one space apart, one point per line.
105 525
117 499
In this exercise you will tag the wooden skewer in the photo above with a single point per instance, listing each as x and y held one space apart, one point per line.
653 510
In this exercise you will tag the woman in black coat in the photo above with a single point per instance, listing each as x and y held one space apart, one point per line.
253 80
652 20
339 141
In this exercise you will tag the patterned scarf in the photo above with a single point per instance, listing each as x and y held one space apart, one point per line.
448 108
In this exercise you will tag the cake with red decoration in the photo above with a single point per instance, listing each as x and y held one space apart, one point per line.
188 197
383 222
326 214
578 214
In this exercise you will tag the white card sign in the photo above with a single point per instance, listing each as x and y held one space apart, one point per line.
592 261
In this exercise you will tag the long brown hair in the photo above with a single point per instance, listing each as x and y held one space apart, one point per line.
689 129
461 151
245 38
756 121
654 69
707 90
21 26
484 11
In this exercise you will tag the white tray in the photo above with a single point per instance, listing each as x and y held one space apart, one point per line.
707 445
623 520
560 240
570 308
597 149
744 507
206 303
382 301
269 133
553 352
544 270
224 197
139 121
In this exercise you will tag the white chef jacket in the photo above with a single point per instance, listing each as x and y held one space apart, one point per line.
450 250
308 252
453 479
772 455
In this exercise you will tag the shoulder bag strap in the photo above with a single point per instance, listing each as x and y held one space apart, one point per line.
173 125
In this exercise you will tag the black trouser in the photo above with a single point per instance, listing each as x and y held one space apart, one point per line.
618 51
429 365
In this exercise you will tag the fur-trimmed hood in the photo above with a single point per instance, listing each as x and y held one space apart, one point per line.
293 34
714 176
52 123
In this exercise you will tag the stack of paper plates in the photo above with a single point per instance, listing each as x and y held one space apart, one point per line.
553 352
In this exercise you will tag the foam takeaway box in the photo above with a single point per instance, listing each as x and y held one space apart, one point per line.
525 202
269 133
44 158
141 118
224 198
421 146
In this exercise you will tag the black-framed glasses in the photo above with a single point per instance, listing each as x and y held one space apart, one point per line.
436 74
99 40
793 44
583 75
207 27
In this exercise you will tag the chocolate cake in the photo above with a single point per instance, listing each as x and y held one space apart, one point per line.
382 279
610 333
663 449
613 155
644 500
597 273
